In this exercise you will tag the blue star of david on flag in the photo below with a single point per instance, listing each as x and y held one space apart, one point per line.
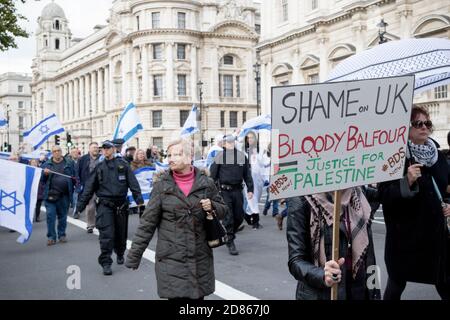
44 129
9 202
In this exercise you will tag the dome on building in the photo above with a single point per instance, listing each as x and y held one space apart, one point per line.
52 10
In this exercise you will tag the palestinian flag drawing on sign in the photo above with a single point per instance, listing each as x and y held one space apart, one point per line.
286 167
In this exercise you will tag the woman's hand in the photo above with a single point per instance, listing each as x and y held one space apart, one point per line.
414 173
333 273
206 205
446 210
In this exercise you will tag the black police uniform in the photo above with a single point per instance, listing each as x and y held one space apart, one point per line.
110 181
229 169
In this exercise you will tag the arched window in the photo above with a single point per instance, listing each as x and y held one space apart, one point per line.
56 44
57 25
228 60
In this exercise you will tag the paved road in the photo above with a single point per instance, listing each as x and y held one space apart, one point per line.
35 271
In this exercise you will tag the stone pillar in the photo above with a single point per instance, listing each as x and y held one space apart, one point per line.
76 96
323 72
214 77
87 83
94 92
169 72
66 102
61 101
135 82
101 101
71 105
107 84
82 97
194 73
145 79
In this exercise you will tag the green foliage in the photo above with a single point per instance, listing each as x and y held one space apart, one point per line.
9 24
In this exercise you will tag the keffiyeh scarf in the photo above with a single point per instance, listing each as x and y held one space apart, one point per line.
358 208
425 154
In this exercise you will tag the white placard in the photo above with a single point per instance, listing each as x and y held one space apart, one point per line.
334 136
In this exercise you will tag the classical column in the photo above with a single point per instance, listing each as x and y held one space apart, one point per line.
82 97
94 92
296 65
71 105
169 72
405 14
145 79
87 92
251 82
61 102
101 101
76 96
323 72
214 77
66 101
107 84
135 86
194 72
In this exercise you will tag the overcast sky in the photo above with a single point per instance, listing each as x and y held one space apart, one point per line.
83 15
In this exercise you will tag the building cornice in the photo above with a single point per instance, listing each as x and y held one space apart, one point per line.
322 21
193 33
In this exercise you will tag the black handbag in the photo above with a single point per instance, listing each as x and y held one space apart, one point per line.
53 195
216 234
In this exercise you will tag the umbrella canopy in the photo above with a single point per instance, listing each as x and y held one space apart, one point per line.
428 59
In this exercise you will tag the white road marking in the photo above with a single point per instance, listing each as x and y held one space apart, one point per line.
379 222
222 290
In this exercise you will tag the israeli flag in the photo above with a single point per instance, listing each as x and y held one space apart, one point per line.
263 122
212 153
145 178
18 195
159 166
40 133
190 126
129 123
36 154
5 155
3 120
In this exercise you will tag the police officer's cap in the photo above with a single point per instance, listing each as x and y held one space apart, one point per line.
118 142
229 138
107 144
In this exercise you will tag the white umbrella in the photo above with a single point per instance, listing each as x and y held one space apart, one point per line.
428 59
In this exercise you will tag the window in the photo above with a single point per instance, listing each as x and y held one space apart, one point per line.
157 51
158 141
181 20
238 86
20 104
441 92
184 114
284 10
157 85
139 88
314 4
233 119
19 88
155 20
313 78
56 44
222 119
57 25
181 51
138 27
228 86
157 118
244 116
182 85
21 126
258 28
228 60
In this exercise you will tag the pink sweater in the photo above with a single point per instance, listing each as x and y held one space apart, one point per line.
185 181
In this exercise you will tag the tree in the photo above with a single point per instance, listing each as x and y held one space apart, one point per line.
9 27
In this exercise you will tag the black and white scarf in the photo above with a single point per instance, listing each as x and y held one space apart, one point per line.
425 154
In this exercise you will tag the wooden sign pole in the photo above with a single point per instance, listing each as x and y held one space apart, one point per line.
336 224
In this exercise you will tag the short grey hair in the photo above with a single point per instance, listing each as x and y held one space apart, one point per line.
186 145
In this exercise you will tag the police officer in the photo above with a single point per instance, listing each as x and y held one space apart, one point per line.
110 181
229 169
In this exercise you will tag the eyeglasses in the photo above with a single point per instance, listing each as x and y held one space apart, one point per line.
418 124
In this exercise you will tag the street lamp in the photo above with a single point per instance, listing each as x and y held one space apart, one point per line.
382 31
9 126
257 70
199 115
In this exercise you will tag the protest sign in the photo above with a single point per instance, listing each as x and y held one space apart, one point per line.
333 136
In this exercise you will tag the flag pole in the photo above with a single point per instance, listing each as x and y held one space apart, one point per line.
336 224
60 174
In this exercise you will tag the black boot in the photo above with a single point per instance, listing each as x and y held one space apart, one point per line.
232 248
120 259
107 270
255 220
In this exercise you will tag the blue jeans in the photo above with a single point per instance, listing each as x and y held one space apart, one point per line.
274 204
57 209
75 200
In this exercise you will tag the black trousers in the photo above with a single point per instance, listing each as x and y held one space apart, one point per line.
113 229
37 211
395 288
235 215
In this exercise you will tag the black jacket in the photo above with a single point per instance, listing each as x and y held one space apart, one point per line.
231 167
111 181
417 246
83 173
311 285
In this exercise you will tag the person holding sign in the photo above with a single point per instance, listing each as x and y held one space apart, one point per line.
309 235
417 237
